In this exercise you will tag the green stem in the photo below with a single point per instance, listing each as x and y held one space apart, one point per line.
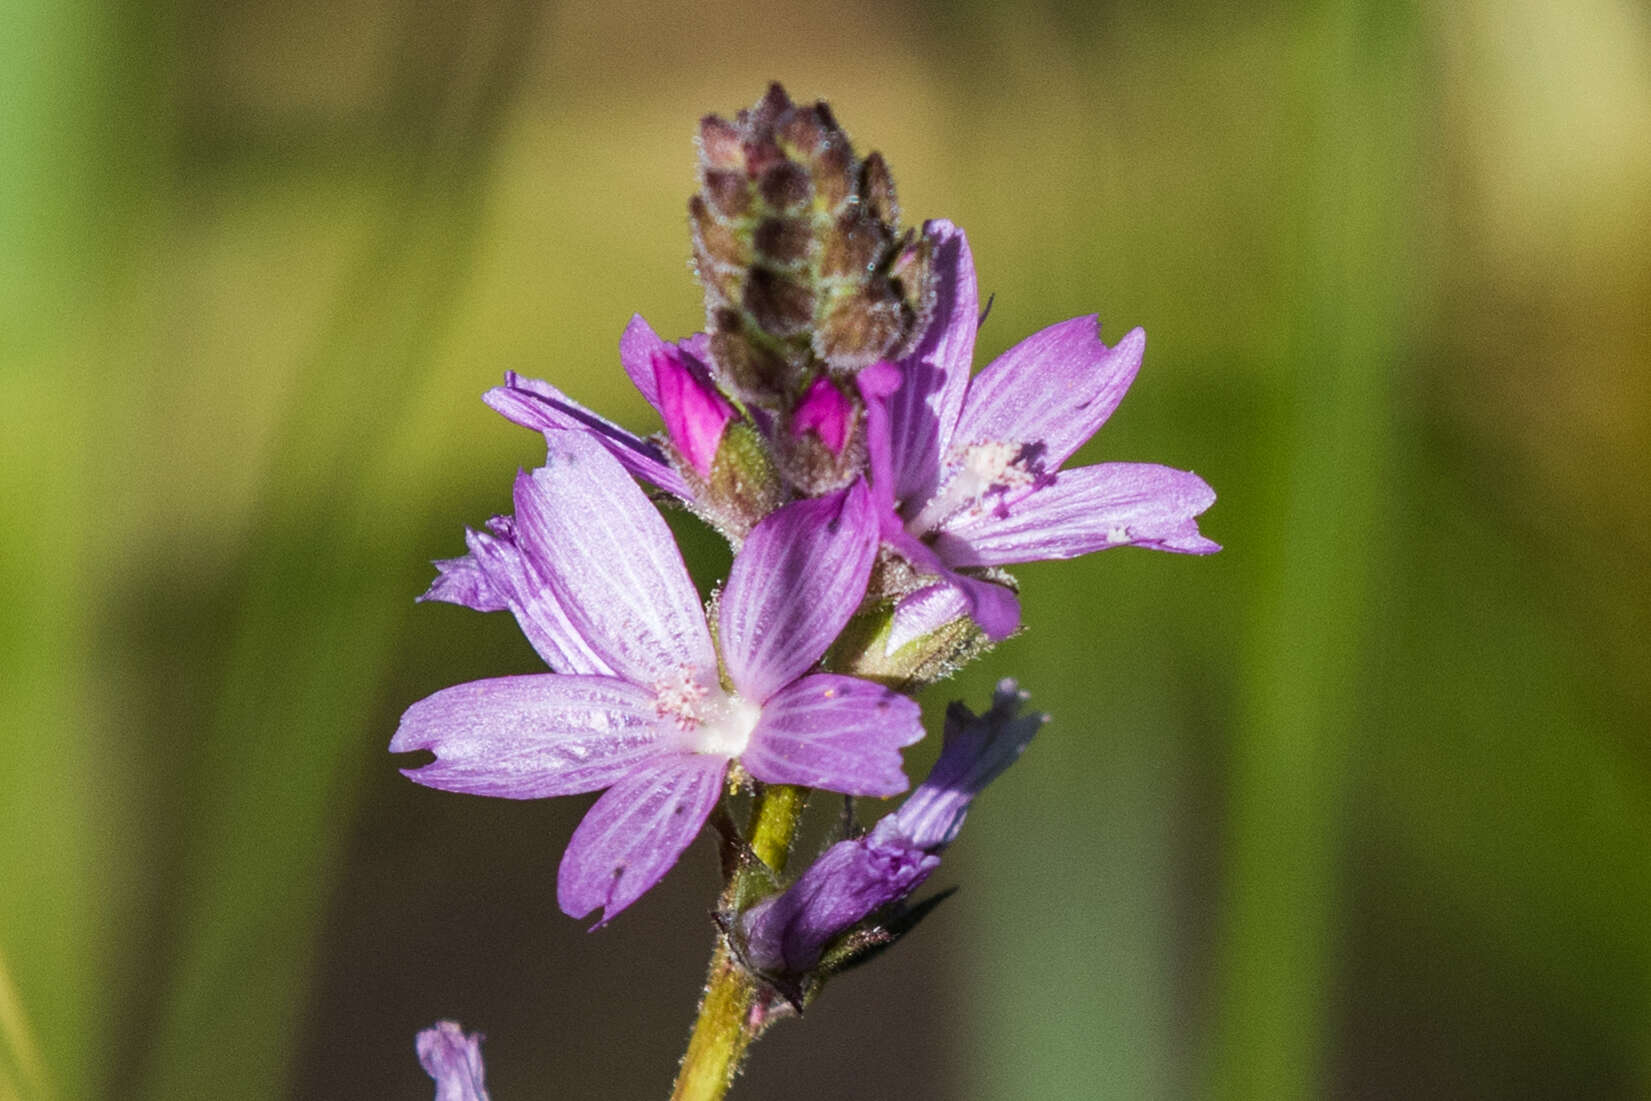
730 1014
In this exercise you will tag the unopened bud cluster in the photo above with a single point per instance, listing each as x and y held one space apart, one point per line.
798 244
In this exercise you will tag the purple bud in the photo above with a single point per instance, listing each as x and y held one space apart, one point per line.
454 1060
695 414
827 412
786 935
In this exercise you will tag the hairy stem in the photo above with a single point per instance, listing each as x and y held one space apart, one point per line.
731 1012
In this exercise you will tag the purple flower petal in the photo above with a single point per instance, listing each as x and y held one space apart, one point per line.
786 933
1088 509
926 407
794 584
531 737
453 1060
635 832
839 733
926 610
977 749
1055 388
638 345
611 563
876 383
995 608
538 405
496 575
462 581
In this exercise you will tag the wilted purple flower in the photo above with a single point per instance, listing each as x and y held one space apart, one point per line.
454 1060
967 471
637 705
785 936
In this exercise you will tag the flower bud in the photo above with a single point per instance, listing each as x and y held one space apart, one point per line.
798 247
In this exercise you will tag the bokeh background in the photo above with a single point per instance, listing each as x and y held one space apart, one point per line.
1360 807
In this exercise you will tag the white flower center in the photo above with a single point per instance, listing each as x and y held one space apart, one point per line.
712 721
977 471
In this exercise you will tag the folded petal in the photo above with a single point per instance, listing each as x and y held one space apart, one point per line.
1053 389
454 1060
531 737
611 563
495 575
994 607
538 405
924 611
792 587
1088 509
638 345
839 733
633 835
924 410
695 413
462 581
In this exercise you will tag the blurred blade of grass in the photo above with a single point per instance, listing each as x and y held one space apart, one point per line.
22 1074
325 591
1305 662
51 852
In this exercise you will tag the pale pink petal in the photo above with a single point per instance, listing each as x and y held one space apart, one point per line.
538 405
1088 509
924 410
799 577
635 832
531 737
1051 391
838 733
612 563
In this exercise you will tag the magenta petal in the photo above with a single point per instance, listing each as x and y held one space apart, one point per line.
838 733
1088 509
1056 388
825 411
799 577
924 410
633 835
531 737
638 345
611 562
538 405
695 414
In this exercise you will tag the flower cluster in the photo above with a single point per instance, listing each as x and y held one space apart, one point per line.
873 488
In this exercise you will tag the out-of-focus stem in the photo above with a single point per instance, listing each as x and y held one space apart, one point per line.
730 1014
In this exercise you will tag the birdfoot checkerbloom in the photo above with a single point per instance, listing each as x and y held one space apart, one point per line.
967 471
639 704
873 490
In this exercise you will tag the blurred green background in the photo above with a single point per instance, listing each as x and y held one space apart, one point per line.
1360 807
